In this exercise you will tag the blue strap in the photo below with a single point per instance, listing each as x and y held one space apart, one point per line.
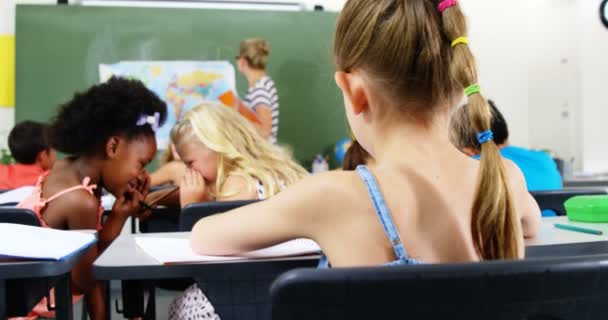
323 262
382 211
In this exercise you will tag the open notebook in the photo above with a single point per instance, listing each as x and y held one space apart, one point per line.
15 196
177 251
36 243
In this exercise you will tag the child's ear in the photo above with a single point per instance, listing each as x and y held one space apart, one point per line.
471 152
112 147
353 90
45 159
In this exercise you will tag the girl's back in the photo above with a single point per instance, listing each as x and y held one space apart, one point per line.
430 208
402 68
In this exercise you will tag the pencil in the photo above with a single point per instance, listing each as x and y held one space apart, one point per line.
578 229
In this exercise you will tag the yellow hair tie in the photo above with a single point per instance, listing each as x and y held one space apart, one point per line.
460 40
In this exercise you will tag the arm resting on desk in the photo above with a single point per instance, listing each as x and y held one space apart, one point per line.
296 212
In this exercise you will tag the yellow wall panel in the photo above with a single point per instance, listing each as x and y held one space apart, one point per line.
7 71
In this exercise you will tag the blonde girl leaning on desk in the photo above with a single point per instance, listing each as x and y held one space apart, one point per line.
227 159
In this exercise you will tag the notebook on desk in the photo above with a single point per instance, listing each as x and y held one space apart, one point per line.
13 197
36 243
178 251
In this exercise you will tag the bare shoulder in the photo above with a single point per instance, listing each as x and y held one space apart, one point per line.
238 188
516 177
77 209
322 193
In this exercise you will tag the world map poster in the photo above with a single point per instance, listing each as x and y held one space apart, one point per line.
181 84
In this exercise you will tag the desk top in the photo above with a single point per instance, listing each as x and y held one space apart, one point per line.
591 181
552 242
123 260
39 269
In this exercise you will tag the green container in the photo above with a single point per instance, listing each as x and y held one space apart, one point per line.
587 208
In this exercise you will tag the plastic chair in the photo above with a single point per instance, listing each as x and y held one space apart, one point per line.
554 200
19 216
556 289
196 211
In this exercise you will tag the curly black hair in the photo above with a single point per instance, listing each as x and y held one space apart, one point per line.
83 125
27 139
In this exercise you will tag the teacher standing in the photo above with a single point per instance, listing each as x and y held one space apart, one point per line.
261 97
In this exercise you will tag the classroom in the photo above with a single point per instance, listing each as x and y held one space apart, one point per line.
303 159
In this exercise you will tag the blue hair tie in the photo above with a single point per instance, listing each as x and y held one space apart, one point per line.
485 136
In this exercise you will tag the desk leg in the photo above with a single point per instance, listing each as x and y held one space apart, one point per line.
3 299
132 298
108 294
63 298
151 306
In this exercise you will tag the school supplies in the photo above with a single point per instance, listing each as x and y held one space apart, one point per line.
154 198
37 243
578 229
587 208
178 251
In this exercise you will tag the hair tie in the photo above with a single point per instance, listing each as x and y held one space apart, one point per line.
485 136
152 120
472 89
446 4
460 40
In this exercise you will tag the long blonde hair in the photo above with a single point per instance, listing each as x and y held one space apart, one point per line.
240 148
404 47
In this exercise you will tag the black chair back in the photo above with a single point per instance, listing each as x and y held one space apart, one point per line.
19 216
554 200
549 289
196 211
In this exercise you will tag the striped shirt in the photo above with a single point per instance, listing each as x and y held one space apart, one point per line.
264 92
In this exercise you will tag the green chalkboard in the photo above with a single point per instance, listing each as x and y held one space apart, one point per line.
59 49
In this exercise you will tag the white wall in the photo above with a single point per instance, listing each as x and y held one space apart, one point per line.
594 64
7 28
529 65
542 61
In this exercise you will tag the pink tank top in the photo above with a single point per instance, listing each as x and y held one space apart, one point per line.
37 203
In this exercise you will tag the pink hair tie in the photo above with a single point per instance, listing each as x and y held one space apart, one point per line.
446 4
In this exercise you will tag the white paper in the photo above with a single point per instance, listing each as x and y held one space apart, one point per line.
20 241
15 195
172 250
107 201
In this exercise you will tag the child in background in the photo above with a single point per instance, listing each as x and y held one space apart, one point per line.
227 159
262 97
171 170
29 146
355 156
108 134
402 67
539 169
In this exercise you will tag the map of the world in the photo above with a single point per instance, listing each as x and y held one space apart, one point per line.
181 84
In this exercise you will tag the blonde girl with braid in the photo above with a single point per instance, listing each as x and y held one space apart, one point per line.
402 66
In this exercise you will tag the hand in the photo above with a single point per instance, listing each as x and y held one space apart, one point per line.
141 183
192 188
128 203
